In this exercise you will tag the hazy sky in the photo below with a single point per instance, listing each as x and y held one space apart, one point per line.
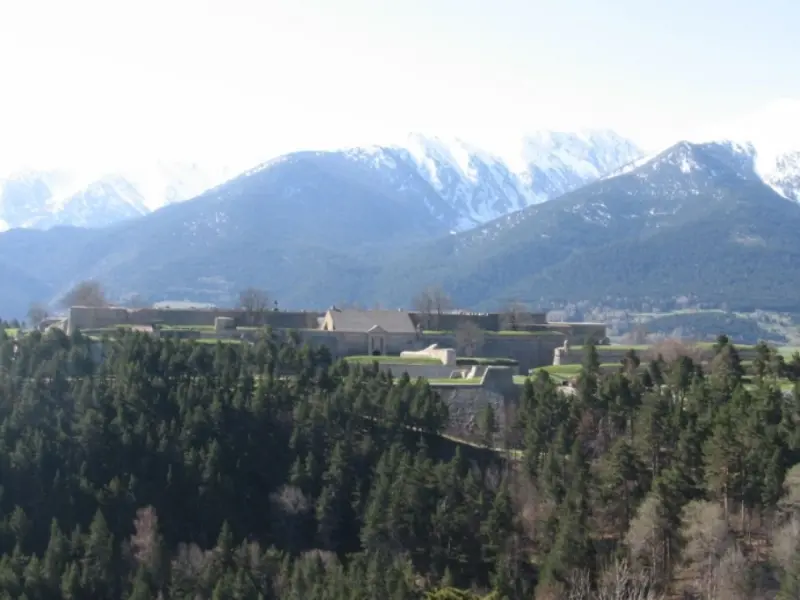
104 81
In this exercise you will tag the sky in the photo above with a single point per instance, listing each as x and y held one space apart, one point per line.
106 82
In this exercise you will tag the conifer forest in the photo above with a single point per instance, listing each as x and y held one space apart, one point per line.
177 470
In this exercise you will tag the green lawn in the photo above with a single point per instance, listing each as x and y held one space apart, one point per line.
644 347
468 361
788 351
448 381
573 369
616 348
11 332
709 345
504 332
215 340
166 327
404 360
511 332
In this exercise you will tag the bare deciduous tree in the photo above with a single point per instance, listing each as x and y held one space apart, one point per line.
431 303
254 302
469 338
290 500
708 539
620 581
645 537
732 579
516 315
638 334
189 565
146 541
672 349
789 503
616 582
786 543
85 293
36 314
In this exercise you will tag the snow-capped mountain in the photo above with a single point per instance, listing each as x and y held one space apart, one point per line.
694 219
44 199
779 171
459 184
783 174
479 185
770 138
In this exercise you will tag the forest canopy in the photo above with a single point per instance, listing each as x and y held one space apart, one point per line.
154 468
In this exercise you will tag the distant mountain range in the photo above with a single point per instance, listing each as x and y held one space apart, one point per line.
695 220
45 199
463 185
716 221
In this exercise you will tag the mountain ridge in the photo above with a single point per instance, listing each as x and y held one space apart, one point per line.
694 220
478 185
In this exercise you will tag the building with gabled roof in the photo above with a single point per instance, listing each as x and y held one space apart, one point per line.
368 321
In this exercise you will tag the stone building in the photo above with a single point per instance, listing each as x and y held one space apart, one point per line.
377 325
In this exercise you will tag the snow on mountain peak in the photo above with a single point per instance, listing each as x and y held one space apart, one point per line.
474 184
771 137
42 199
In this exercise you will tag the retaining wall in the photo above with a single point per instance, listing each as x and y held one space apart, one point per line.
610 354
428 371
83 317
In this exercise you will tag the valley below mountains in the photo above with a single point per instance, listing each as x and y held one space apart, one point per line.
574 217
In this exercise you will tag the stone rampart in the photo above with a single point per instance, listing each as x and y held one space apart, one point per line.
84 317
615 354
428 371
446 356
529 351
578 333
485 321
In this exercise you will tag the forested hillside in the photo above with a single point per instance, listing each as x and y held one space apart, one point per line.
180 470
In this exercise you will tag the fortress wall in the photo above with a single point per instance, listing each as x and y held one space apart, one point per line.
340 344
429 371
487 322
278 319
465 403
577 333
607 354
451 322
529 350
81 317
612 354
446 356
84 317
501 380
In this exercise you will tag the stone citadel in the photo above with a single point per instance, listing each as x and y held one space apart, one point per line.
528 339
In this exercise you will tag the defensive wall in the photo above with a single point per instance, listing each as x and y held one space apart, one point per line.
492 385
615 354
532 349
529 350
84 317
485 321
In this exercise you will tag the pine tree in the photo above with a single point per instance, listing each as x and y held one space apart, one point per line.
487 425
96 565
54 557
